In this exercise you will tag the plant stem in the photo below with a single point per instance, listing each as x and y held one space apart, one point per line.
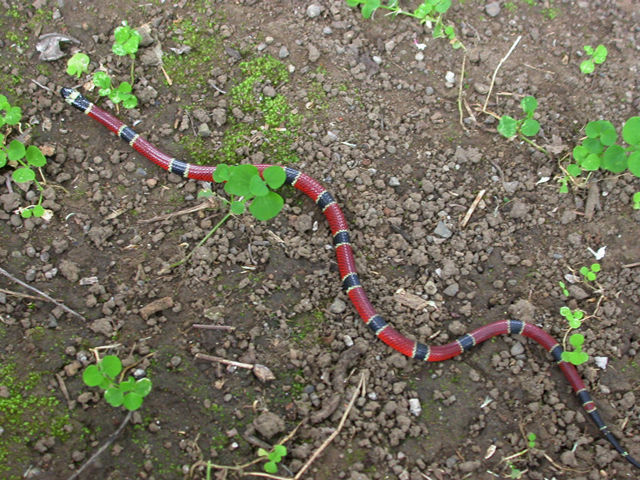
206 237
133 62
534 145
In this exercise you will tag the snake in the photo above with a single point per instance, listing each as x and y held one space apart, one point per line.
347 268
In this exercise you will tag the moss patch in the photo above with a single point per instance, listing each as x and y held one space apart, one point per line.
27 416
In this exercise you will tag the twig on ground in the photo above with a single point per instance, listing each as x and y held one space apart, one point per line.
18 294
42 294
209 203
335 433
472 208
204 326
495 72
106 444
631 265
464 60
260 371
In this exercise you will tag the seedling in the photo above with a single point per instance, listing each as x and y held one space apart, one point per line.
117 95
531 440
28 158
126 42
528 126
514 473
78 64
564 289
128 393
600 150
274 456
427 11
577 356
573 317
247 191
590 273
596 57
636 201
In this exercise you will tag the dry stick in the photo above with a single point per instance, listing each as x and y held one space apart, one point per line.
335 433
495 72
44 295
197 208
205 326
464 59
472 208
631 265
106 444
18 294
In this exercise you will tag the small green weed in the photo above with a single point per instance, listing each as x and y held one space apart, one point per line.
599 151
78 64
528 126
636 201
126 43
577 356
121 93
247 191
427 11
573 317
274 457
128 393
590 273
531 440
564 289
596 56
26 158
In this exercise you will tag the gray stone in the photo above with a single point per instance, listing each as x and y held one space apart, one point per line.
314 10
284 52
492 9
314 53
442 230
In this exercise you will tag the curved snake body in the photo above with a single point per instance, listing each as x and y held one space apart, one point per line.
349 277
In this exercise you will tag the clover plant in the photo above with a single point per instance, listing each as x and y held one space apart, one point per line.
600 150
26 158
590 273
528 126
577 356
274 457
427 11
78 64
121 93
596 56
128 393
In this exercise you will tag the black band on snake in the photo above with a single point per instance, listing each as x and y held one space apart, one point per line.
348 275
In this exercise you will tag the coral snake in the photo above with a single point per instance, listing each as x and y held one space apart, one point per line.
347 267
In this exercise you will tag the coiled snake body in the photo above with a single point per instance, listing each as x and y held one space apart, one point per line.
349 277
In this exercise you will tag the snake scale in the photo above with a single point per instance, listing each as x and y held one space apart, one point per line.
347 267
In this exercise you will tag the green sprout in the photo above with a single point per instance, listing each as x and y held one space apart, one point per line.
27 158
564 289
573 317
427 11
126 41
531 440
636 201
527 127
577 356
274 457
117 95
599 151
78 64
248 190
590 273
596 57
128 393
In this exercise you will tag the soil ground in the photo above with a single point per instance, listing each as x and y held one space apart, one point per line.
368 108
